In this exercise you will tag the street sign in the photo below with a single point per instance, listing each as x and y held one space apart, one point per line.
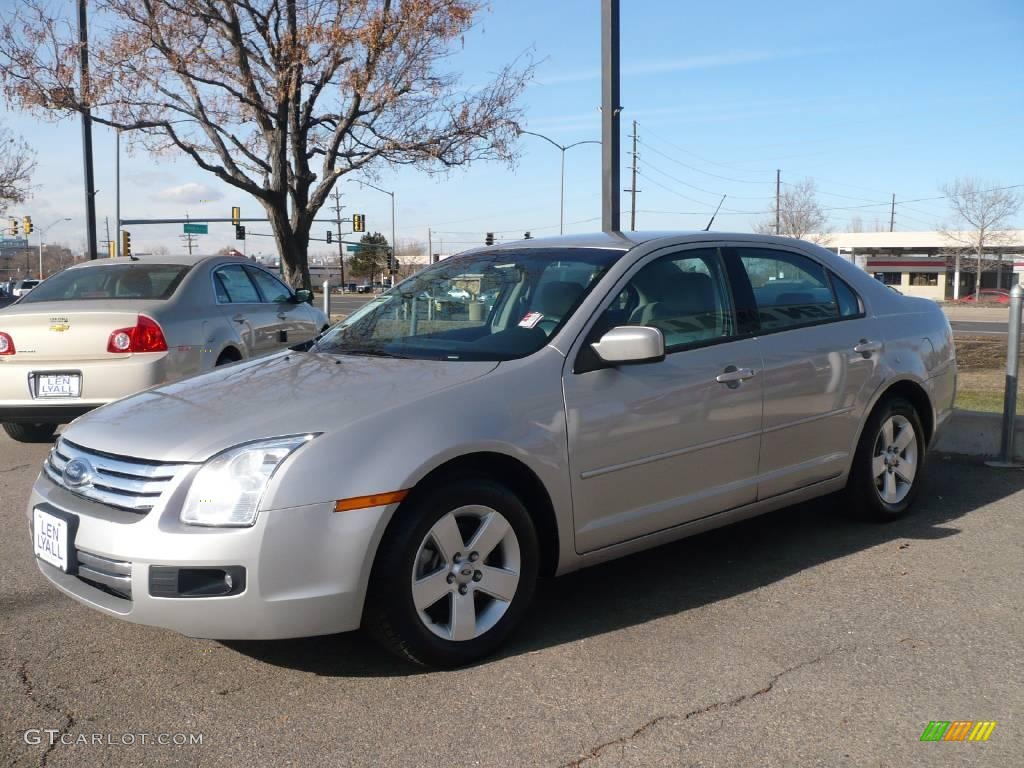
353 248
197 229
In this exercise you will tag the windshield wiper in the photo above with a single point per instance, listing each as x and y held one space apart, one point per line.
373 353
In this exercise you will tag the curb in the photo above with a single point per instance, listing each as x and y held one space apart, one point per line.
974 433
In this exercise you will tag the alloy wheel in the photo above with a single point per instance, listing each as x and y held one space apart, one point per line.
894 459
466 572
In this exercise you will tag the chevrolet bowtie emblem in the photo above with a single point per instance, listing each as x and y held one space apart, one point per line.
60 327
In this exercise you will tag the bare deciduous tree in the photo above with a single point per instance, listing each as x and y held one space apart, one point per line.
856 224
279 98
982 213
800 215
17 163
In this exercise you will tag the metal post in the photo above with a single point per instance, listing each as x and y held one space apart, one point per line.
561 198
892 213
1006 451
327 298
117 194
394 253
610 108
90 186
778 200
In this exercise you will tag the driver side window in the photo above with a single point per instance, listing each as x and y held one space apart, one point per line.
684 294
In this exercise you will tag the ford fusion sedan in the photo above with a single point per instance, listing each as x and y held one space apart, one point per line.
414 472
105 329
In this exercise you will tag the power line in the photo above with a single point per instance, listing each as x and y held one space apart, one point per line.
699 170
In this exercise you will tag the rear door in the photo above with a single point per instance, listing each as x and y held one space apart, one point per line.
295 321
242 305
820 354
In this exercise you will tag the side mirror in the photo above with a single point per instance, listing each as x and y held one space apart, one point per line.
302 295
630 345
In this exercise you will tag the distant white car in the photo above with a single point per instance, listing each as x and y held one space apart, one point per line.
23 286
102 330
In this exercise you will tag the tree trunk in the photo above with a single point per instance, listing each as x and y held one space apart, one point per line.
977 285
292 248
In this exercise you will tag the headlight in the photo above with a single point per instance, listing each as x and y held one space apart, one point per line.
228 488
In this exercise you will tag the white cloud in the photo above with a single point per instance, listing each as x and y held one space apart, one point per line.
192 192
683 64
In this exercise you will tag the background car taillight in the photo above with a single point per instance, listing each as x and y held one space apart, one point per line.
6 344
146 336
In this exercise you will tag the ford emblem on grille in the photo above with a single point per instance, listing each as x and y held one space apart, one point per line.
77 472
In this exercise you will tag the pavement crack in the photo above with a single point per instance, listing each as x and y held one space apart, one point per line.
67 717
622 741
12 469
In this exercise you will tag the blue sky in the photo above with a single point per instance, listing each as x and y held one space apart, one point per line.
868 99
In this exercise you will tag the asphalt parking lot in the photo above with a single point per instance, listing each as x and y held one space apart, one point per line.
801 638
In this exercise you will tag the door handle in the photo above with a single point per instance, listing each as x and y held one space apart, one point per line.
867 348
732 376
239 318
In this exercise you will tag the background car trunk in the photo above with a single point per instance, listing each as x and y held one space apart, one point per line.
67 330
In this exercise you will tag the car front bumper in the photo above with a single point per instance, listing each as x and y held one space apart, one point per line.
102 382
306 568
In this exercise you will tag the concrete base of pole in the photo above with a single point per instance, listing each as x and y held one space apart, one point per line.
1004 465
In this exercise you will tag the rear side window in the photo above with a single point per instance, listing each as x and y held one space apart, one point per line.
236 286
116 281
849 302
790 290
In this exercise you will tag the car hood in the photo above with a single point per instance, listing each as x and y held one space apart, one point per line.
285 394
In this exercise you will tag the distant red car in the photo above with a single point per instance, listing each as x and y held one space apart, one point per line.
987 296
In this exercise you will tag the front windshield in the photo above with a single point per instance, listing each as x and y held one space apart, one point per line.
492 305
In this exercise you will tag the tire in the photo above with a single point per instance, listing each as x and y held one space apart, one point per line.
226 358
423 625
886 475
31 433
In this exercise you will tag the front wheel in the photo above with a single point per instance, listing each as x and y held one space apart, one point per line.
889 463
455 574
31 433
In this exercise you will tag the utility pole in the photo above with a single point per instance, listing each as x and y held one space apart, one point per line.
90 186
610 146
106 222
117 194
337 222
188 238
430 246
778 201
632 189
892 213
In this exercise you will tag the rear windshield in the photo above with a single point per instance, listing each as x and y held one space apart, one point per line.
116 281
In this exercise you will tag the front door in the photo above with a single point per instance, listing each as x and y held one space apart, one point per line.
295 321
655 445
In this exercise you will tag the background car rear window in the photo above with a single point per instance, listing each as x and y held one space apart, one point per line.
236 285
116 281
790 290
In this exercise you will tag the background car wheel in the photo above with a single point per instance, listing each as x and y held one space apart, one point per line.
454 575
890 460
227 357
31 433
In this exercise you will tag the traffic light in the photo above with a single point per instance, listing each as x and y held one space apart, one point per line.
126 243
358 222
392 264
110 248
489 240
527 235
14 227
329 237
27 223
236 218
239 232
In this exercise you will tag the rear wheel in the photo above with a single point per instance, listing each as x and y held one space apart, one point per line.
454 575
890 460
31 433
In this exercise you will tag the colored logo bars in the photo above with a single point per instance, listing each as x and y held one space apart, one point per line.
958 730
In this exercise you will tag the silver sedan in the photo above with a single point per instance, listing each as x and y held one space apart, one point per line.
108 328
415 471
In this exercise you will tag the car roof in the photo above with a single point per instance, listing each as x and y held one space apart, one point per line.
624 241
183 260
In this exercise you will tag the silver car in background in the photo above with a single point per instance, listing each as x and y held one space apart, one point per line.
414 471
107 328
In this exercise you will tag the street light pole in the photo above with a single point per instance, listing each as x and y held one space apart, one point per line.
392 194
562 148
42 233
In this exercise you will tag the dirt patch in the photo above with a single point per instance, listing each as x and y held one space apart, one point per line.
976 353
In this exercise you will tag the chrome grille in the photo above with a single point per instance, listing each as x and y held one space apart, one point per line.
117 481
113 576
